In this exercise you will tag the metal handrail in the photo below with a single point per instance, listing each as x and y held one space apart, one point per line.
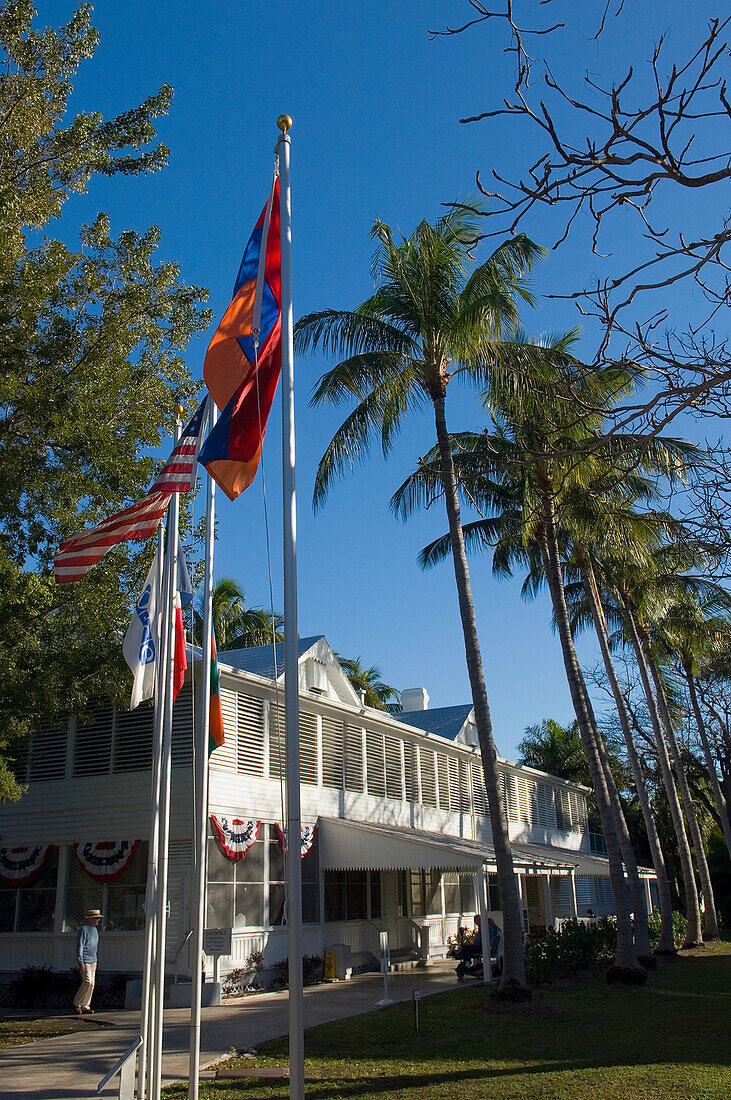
119 1065
178 953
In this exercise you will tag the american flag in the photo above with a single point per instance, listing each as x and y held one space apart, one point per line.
77 554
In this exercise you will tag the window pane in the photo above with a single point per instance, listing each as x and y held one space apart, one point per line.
276 904
35 913
276 862
125 908
466 894
220 905
375 895
220 869
356 892
78 901
7 910
251 869
334 895
249 905
310 903
433 892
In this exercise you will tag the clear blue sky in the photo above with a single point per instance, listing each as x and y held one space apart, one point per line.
376 108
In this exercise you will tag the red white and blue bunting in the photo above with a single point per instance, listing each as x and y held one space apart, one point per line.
19 866
235 837
307 838
106 860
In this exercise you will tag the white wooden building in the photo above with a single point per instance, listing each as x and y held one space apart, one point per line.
398 802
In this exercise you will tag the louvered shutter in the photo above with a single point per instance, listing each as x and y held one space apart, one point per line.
410 772
394 783
93 754
523 799
332 753
442 781
464 786
225 756
544 802
375 770
428 776
479 796
453 765
182 742
277 764
133 738
48 752
308 748
353 758
511 805
249 735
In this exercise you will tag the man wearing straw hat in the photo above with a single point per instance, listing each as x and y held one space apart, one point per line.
87 942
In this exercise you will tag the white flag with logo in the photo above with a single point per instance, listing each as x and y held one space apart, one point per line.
141 642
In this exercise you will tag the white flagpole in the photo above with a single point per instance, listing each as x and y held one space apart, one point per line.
163 851
147 992
291 674
202 785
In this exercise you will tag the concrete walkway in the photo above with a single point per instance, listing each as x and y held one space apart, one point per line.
70 1067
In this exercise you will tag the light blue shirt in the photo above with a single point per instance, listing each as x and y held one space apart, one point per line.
87 941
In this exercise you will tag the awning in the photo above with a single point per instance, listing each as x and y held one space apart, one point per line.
361 845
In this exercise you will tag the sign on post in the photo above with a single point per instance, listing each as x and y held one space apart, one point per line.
217 942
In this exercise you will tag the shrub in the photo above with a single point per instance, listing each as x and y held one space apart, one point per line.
244 977
577 947
680 928
313 969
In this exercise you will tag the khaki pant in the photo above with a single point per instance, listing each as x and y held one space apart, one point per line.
83 997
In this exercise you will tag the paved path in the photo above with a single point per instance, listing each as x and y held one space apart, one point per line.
69 1068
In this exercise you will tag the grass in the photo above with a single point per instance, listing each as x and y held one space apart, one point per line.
582 1041
15 1031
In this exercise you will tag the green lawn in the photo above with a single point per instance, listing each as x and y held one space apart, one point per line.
15 1031
584 1041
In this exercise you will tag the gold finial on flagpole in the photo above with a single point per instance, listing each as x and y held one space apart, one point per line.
179 410
284 122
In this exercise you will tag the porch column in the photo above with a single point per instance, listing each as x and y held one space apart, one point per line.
482 900
572 894
648 895
547 900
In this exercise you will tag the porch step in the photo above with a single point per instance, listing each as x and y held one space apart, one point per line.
405 960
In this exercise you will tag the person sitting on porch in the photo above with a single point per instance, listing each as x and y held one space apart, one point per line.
469 951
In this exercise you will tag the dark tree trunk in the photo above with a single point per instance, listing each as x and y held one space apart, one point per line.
710 922
666 945
694 935
626 966
513 978
721 804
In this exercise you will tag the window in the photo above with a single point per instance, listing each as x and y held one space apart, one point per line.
308 748
236 888
459 893
443 780
479 796
394 784
410 772
121 901
133 738
94 742
277 764
346 895
376 895
425 892
30 908
493 892
48 752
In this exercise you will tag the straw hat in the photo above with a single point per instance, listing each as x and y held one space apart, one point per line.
94 913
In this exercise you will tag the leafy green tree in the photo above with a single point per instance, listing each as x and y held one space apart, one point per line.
235 625
433 319
368 681
91 343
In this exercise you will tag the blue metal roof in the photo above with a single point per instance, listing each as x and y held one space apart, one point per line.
444 721
259 659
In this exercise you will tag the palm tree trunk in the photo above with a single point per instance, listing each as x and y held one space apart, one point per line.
626 965
710 922
694 935
666 945
513 983
710 762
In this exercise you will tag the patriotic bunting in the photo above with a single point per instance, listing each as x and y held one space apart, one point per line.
106 860
19 866
307 838
234 836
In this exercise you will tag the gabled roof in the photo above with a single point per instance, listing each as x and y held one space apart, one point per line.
444 721
260 659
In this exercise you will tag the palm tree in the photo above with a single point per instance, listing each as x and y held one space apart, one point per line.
235 625
368 682
525 471
429 322
694 632
555 749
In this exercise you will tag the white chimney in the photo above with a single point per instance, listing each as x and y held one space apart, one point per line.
414 699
